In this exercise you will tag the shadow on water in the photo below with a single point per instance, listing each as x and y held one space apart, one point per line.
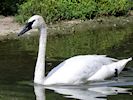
17 61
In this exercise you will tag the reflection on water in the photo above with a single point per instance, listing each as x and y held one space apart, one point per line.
90 93
16 73
82 92
39 92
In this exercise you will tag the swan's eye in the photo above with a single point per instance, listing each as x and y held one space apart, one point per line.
29 24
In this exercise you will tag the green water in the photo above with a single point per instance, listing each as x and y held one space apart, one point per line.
18 58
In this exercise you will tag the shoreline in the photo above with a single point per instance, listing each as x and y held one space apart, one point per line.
10 28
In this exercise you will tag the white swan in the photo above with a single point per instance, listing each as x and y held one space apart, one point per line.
75 70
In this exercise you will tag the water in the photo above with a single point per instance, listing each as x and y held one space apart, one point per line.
17 63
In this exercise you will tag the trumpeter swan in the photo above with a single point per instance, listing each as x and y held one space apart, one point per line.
75 70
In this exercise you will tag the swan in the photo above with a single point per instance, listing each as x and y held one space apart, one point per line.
75 70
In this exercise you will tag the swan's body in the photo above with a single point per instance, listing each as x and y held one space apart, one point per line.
75 70
80 69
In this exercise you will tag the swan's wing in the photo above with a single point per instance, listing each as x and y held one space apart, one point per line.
101 59
109 70
78 68
55 69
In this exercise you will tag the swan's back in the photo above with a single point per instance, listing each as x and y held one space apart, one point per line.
77 69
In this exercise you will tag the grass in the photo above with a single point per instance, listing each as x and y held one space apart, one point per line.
57 10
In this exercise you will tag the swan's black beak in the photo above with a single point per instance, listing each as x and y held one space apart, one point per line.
27 27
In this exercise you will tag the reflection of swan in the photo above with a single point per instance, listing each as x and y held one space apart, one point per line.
39 92
90 93
78 69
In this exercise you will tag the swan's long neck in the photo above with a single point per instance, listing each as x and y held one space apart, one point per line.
39 74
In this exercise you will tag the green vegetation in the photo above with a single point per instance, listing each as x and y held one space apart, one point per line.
56 10
100 41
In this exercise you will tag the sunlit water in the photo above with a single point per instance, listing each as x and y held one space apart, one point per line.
16 74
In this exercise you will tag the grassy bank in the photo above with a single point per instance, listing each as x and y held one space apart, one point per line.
56 10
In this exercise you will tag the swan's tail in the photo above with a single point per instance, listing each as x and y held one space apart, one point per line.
129 59
109 70
120 64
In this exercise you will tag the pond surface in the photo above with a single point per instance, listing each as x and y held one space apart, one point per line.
16 75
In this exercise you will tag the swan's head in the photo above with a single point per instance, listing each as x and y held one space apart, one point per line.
34 22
